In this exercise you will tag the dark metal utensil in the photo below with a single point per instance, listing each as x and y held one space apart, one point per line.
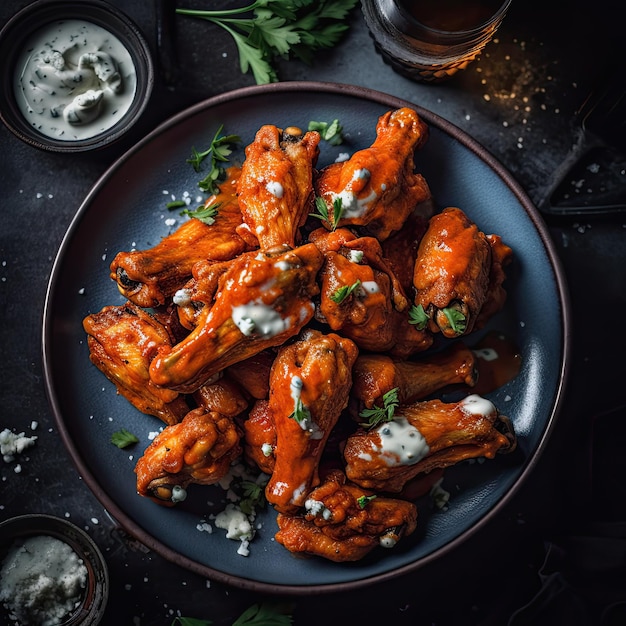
592 178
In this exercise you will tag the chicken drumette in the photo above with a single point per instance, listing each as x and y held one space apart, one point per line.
276 186
309 386
378 187
458 274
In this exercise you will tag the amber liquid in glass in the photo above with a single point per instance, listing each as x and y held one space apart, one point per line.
451 15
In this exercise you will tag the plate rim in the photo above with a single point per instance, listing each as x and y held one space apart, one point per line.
362 93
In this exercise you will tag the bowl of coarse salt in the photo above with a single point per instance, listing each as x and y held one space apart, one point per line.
51 572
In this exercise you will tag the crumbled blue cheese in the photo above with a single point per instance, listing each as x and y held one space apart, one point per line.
12 444
439 495
43 580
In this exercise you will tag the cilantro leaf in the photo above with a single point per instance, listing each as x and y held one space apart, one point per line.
123 438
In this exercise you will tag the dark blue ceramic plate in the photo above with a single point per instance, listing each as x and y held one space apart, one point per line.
126 209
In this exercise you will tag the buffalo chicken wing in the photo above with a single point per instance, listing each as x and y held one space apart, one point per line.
378 187
457 277
149 277
122 342
200 450
262 300
424 436
276 186
342 522
309 386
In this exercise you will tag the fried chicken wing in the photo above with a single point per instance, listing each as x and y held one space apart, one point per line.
455 274
343 522
424 436
260 437
309 386
378 187
200 450
276 186
149 277
376 374
253 374
224 396
122 342
262 300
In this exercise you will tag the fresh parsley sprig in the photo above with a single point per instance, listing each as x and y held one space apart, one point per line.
418 317
301 413
456 319
268 29
380 414
252 496
344 292
220 149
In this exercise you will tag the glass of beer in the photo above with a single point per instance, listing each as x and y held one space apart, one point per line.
431 40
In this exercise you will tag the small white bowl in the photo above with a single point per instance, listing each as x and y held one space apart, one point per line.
45 16
96 592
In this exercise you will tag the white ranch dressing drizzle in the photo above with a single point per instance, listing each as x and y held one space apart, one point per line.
74 80
401 443
477 405
351 205
259 318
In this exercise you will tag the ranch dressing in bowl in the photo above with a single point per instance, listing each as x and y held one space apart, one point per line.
74 80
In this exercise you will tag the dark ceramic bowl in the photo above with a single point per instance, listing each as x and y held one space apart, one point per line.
93 604
43 15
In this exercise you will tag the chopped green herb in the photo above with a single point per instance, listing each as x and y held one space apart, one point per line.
377 415
456 320
322 211
123 438
363 501
418 317
300 413
331 132
343 292
176 204
279 28
220 149
252 496
206 214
